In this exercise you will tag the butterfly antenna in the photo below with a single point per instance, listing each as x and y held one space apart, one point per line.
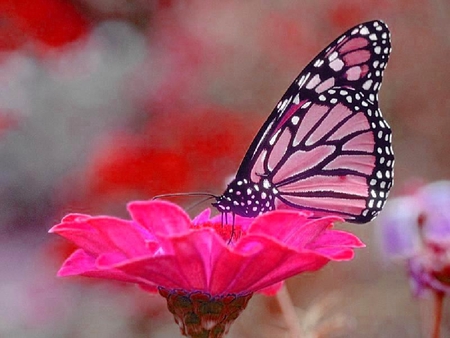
178 194
189 208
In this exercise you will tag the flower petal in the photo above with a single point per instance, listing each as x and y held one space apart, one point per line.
160 217
398 229
292 228
81 263
102 233
187 267
202 217
195 257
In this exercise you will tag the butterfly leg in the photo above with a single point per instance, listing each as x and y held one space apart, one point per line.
232 228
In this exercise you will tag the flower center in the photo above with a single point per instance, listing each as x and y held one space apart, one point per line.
226 231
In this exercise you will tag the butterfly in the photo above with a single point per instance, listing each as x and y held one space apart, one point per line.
325 147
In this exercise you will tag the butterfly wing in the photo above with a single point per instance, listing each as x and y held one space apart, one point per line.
326 147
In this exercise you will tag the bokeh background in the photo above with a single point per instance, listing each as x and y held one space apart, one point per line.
107 101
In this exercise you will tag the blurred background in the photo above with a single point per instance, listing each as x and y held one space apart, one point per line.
107 101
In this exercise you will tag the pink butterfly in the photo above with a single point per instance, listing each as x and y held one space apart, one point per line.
325 147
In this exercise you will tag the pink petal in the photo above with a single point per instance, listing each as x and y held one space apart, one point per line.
103 233
187 267
335 238
290 227
82 264
81 234
202 217
160 217
272 264
78 263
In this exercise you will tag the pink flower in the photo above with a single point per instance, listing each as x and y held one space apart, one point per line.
194 260
417 228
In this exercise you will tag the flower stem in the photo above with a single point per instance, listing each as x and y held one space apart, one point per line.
438 302
289 313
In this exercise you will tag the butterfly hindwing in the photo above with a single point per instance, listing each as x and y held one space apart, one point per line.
323 158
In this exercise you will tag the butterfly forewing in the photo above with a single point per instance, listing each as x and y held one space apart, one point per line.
325 147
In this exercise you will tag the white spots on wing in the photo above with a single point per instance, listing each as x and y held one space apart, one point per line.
303 79
274 138
355 31
364 31
318 63
373 37
333 100
295 119
372 97
341 38
337 65
377 50
333 56
282 105
322 98
297 99
313 82
306 105
366 85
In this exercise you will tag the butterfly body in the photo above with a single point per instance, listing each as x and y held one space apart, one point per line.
247 198
325 147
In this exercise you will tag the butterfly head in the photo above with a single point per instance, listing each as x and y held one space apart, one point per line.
246 198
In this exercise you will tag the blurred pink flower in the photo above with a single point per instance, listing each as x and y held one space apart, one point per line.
194 262
417 229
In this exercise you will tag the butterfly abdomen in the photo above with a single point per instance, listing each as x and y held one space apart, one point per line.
246 198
